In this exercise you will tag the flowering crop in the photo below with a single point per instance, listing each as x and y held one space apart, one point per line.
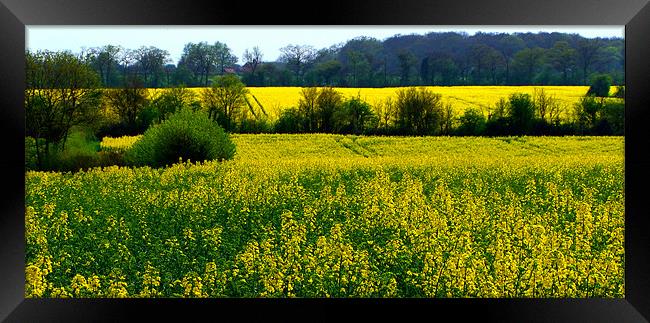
339 216
119 144
275 99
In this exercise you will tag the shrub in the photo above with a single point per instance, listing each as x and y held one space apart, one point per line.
472 123
225 100
128 102
496 126
146 117
71 161
521 113
290 121
171 100
186 134
328 102
419 111
586 113
258 125
600 85
31 161
613 113
355 116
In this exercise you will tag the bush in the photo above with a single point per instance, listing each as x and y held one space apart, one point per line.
600 85
171 100
327 103
472 123
31 161
521 113
613 113
259 125
419 111
128 102
72 161
586 113
226 100
497 126
355 116
186 134
290 121
146 117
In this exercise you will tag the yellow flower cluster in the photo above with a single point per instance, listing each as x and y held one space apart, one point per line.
339 216
275 99
119 144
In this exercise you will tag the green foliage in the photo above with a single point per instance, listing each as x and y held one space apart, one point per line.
547 107
31 161
146 117
188 135
600 85
80 152
419 111
586 112
355 116
521 113
290 121
318 108
308 108
225 100
472 123
257 125
61 92
612 119
172 100
327 103
128 102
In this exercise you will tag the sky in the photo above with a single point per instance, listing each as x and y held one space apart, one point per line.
269 38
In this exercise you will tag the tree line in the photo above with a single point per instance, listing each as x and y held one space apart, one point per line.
63 91
448 58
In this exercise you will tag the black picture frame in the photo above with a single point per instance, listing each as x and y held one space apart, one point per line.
634 14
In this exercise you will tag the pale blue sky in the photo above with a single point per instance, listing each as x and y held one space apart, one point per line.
269 38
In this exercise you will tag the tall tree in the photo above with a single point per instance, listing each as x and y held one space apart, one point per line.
479 56
528 62
61 92
406 63
225 99
328 70
508 46
358 65
495 64
196 59
588 53
563 58
221 57
103 59
297 57
128 101
151 62
126 58
253 59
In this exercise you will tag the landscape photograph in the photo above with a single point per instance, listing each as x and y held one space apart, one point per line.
324 162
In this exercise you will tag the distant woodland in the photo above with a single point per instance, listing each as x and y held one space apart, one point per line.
448 58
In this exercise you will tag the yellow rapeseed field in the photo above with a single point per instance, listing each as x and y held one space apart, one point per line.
338 216
275 99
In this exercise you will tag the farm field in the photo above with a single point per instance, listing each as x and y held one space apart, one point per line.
323 215
275 99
